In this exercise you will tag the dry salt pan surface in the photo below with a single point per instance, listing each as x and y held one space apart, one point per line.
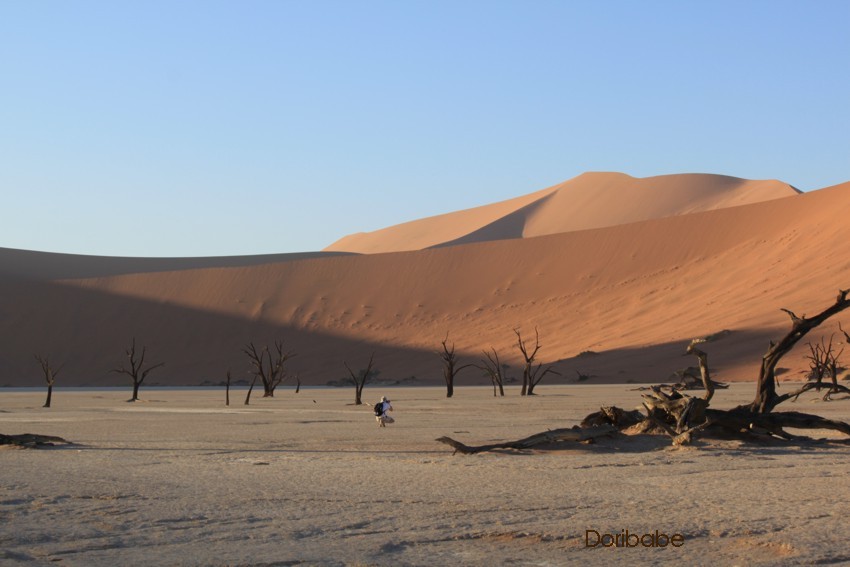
309 478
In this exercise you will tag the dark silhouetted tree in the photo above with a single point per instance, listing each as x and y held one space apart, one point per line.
531 374
450 366
136 370
494 370
50 374
268 366
361 378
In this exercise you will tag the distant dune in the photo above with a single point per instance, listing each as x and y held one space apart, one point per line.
591 200
618 303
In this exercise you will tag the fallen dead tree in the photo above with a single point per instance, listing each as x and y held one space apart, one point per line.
32 440
574 434
683 417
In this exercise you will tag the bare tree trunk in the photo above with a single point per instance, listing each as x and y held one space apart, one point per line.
528 358
137 371
530 374
450 368
766 397
360 380
227 390
703 368
250 389
492 367
49 376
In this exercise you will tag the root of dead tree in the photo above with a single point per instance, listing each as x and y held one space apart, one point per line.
31 440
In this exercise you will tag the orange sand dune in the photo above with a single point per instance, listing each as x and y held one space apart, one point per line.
591 200
618 303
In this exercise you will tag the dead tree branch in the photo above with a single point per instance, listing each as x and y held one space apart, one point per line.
703 368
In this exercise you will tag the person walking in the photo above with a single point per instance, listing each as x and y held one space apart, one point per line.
381 409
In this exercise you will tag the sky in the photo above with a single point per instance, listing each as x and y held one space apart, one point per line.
206 128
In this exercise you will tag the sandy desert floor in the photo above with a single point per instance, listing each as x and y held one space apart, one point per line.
308 478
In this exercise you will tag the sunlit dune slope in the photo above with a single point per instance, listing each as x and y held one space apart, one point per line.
591 200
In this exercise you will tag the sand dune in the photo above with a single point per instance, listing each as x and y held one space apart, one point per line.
634 294
33 265
591 200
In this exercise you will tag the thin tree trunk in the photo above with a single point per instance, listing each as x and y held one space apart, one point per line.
49 395
251 389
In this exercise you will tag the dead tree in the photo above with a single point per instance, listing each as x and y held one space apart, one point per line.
823 361
691 415
250 389
707 383
32 440
227 390
766 397
361 379
450 367
683 417
573 434
817 363
268 366
493 368
832 367
49 376
137 370
531 375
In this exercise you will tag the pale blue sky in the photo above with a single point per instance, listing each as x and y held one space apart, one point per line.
215 128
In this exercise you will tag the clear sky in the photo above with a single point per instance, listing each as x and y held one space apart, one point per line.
182 128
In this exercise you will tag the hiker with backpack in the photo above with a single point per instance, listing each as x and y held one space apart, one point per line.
381 409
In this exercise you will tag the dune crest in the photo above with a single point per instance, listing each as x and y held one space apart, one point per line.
590 200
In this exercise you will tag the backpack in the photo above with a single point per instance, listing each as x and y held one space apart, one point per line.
379 409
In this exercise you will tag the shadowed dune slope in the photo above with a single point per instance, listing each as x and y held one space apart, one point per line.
591 200
34 265
634 294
